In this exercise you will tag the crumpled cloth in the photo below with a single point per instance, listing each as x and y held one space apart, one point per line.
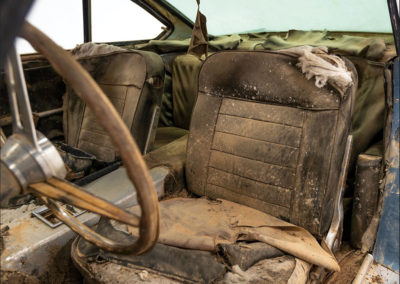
325 68
202 224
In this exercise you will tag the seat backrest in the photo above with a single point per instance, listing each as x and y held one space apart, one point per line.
133 81
264 136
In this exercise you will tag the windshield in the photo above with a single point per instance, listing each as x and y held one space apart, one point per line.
244 16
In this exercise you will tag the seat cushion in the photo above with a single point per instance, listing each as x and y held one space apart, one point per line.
264 136
133 81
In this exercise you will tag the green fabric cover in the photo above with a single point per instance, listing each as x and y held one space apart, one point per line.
185 72
165 46
370 48
368 117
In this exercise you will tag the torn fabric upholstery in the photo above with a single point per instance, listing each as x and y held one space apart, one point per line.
205 224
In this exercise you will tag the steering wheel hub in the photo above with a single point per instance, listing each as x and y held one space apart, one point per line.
32 164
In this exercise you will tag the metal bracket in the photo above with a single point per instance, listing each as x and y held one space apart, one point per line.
47 216
152 129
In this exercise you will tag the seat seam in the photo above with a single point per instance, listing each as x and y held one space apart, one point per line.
238 192
267 163
223 170
266 121
293 147
212 141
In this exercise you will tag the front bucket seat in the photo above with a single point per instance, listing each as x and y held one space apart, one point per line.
133 81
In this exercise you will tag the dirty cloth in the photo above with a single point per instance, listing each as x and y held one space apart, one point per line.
325 68
203 224
198 43
90 49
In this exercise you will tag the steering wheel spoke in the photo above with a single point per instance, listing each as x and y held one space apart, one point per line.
20 107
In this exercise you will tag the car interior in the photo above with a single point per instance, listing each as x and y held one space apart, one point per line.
266 150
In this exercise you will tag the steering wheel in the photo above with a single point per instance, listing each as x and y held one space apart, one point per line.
35 163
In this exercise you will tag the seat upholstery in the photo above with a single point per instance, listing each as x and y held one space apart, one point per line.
264 136
133 81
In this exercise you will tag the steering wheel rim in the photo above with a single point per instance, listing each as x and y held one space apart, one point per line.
88 90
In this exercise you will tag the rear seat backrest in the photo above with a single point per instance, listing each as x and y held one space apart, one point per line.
133 81
264 136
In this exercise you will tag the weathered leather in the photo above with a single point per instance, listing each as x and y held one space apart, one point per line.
264 136
133 81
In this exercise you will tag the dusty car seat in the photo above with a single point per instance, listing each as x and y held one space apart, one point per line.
133 81
261 135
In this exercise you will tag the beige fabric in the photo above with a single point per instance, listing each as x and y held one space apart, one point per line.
203 224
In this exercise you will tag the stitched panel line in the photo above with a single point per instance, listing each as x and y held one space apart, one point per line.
293 147
266 121
249 178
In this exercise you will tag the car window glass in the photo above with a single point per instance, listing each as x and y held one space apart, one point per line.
243 16
122 20
61 20
116 20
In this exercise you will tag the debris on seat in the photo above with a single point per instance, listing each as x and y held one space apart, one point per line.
326 68
208 223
